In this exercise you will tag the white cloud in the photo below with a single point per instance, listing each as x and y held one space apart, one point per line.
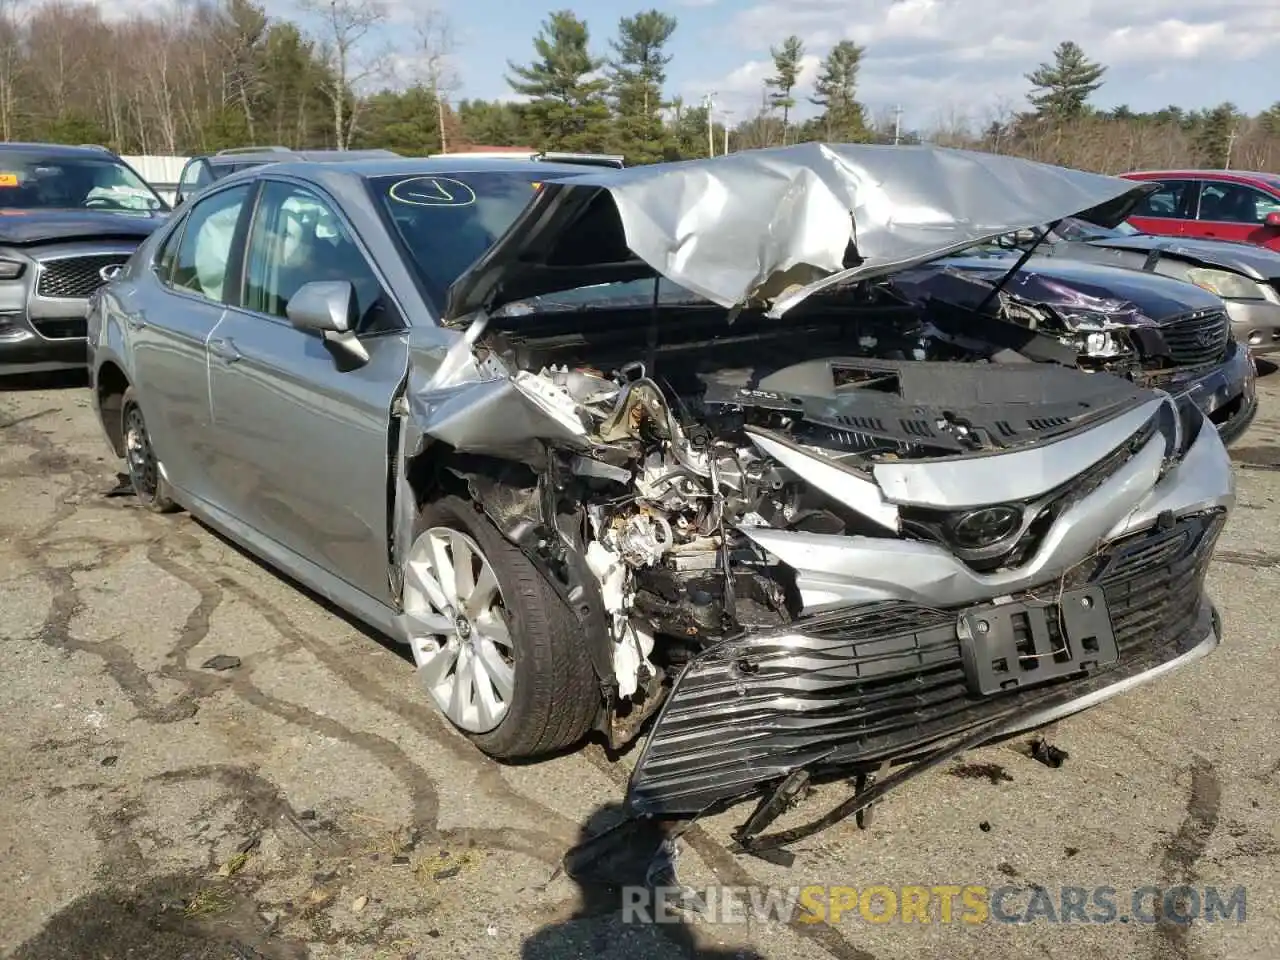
940 54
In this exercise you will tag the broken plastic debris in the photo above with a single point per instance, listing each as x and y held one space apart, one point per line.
222 662
1045 752
359 904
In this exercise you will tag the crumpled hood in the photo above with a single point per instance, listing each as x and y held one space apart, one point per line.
1247 258
1073 287
777 225
25 226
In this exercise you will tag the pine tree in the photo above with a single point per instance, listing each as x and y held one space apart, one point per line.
1216 129
636 78
835 90
786 61
1062 89
568 110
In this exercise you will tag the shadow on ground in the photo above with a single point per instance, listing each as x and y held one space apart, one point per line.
599 926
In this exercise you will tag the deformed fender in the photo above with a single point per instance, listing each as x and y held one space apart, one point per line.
493 433
522 504
531 519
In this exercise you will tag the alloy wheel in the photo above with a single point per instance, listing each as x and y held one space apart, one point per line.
139 455
459 629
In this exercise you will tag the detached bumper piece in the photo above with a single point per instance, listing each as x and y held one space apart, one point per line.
842 693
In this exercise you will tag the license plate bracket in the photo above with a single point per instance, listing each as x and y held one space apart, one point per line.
1006 646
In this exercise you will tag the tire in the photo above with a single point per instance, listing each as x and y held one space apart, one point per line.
555 697
149 486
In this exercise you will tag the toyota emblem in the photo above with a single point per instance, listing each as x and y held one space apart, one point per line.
109 272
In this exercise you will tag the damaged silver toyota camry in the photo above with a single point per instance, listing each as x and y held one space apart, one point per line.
667 444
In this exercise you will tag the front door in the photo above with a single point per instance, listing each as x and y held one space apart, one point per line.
1165 211
304 431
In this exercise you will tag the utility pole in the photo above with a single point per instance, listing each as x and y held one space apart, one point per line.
1231 143
726 114
709 101
897 125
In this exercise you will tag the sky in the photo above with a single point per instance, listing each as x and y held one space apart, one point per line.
939 60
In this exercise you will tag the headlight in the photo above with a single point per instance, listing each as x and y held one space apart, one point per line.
1232 286
11 269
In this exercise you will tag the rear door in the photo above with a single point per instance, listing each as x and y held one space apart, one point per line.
196 268
1235 211
304 433
1166 211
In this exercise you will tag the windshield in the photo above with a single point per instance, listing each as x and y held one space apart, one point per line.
448 223
30 181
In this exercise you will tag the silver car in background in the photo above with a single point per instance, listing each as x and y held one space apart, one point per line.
599 446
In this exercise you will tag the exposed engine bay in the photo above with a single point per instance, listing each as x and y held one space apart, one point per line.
673 461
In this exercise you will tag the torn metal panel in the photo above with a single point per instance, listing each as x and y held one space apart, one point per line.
855 492
832 571
777 225
1019 475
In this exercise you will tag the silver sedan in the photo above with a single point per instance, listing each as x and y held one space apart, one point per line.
600 446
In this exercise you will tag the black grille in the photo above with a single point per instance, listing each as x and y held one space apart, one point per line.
1197 339
886 680
61 328
74 278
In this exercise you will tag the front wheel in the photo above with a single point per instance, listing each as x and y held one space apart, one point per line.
149 485
497 649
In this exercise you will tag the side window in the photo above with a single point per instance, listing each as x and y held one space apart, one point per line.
204 254
1235 203
1165 202
297 239
195 175
167 255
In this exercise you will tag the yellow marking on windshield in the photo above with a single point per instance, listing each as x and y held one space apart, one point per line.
8 179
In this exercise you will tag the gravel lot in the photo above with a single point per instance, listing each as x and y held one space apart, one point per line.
308 802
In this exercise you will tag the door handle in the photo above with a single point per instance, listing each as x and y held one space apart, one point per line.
224 348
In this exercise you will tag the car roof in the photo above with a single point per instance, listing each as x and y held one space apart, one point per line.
423 167
1240 176
267 155
59 150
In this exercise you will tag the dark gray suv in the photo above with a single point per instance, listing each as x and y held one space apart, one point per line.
72 216
201 171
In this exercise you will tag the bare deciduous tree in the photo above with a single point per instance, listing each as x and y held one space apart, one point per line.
345 32
436 44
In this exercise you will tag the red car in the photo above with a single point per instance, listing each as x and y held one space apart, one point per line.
1217 204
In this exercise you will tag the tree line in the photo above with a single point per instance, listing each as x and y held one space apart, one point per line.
210 74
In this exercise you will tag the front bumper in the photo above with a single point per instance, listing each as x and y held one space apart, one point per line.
844 691
24 351
1226 394
1255 323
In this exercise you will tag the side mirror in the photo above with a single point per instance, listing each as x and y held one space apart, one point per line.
1272 220
328 307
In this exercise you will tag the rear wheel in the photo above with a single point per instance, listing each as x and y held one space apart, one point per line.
149 486
497 649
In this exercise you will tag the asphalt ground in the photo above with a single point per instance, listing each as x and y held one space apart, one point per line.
309 802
